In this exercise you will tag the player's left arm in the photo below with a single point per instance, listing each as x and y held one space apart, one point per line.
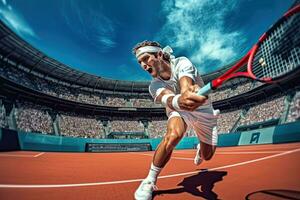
186 83
187 75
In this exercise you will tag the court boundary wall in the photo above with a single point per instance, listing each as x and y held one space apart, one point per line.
20 140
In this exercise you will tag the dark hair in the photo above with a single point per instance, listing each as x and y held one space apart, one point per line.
166 57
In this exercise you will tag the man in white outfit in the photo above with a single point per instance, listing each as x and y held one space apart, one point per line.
175 84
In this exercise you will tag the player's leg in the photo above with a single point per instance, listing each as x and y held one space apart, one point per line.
175 130
204 152
208 139
207 150
209 144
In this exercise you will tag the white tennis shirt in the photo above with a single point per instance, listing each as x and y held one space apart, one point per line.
180 67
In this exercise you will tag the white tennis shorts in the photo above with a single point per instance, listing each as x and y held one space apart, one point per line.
202 121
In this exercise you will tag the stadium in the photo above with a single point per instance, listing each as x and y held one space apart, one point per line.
70 134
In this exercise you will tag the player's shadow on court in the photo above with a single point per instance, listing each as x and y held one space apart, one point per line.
200 185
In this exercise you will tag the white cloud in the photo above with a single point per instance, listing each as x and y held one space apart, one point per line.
216 47
15 21
107 41
199 28
91 24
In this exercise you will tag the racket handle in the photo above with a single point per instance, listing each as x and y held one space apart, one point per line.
205 90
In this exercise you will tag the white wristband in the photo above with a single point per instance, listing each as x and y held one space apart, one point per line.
164 99
175 102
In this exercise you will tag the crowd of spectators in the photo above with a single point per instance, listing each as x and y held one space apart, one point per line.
231 91
76 126
65 91
264 111
294 112
157 128
227 120
144 103
126 126
33 118
115 101
16 75
3 122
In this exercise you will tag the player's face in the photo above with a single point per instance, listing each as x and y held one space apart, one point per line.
150 63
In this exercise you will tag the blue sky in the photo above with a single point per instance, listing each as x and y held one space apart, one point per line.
96 36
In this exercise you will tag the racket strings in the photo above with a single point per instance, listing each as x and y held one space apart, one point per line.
280 52
270 64
260 69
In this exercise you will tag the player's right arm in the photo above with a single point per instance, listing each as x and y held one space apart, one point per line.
161 94
165 98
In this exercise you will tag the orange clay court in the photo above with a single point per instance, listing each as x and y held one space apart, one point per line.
244 172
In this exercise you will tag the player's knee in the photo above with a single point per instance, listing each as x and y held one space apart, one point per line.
171 140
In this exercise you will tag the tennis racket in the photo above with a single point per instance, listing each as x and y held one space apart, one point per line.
272 58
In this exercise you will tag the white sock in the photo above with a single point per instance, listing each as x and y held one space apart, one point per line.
153 173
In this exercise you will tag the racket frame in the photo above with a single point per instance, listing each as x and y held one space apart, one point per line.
247 59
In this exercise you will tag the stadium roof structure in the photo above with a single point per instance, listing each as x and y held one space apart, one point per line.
14 48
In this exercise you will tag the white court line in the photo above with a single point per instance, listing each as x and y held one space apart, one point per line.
37 155
250 152
228 153
12 155
137 180
232 152
173 157
259 148
20 155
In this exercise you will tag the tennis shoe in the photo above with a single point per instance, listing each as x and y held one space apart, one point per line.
198 160
145 190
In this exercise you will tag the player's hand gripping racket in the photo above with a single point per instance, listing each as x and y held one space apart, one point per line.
273 57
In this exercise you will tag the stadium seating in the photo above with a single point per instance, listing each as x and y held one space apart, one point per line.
3 122
35 118
77 126
126 126
64 91
227 120
157 128
264 112
294 113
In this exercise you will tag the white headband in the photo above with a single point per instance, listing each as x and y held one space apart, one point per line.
154 49
147 49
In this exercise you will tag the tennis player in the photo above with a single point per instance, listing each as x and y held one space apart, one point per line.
174 85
